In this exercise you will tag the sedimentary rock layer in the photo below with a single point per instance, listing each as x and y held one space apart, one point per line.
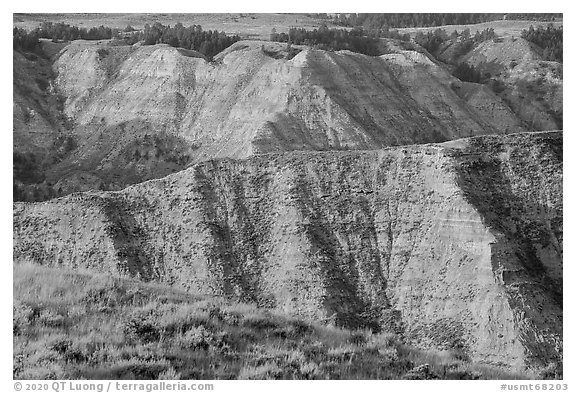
259 98
455 245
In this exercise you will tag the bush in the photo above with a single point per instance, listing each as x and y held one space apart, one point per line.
21 318
467 73
169 375
310 370
139 328
50 318
266 371
497 86
197 338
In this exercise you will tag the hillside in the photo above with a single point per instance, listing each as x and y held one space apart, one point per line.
512 68
154 110
38 124
532 87
451 246
105 327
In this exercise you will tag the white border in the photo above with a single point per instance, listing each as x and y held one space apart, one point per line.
228 6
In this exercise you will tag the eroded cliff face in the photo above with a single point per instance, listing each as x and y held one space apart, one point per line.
334 100
532 87
254 98
456 245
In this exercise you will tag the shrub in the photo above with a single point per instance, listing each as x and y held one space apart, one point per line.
50 318
197 338
170 374
310 370
139 328
172 320
17 365
357 338
342 353
467 73
266 371
21 318
102 53
59 344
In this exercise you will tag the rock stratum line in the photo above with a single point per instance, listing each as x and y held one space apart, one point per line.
453 246
155 110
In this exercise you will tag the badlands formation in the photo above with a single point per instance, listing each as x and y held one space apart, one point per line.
454 245
368 192
153 110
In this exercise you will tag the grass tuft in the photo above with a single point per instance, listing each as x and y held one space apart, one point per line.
78 325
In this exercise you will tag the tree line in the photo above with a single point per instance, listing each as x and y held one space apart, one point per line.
397 20
24 40
357 40
324 38
464 41
29 40
65 32
207 42
549 38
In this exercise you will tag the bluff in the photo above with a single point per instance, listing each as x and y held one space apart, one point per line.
452 246
531 86
154 110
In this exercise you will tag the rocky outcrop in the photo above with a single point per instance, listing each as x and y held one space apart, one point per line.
254 98
454 246
39 127
530 86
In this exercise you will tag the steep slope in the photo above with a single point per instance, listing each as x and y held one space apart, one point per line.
255 98
457 245
334 99
33 117
39 126
483 99
531 86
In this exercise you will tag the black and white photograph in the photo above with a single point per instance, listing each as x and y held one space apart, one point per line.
287 196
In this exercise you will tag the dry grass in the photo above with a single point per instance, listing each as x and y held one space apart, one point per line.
80 325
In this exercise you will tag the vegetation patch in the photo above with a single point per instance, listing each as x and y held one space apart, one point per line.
549 38
79 325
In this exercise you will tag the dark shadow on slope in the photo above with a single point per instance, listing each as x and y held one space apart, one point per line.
238 229
120 155
497 187
130 240
499 177
343 274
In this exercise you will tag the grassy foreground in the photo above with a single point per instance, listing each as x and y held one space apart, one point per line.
72 324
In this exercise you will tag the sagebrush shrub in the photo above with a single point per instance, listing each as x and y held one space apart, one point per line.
22 317
51 318
139 328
